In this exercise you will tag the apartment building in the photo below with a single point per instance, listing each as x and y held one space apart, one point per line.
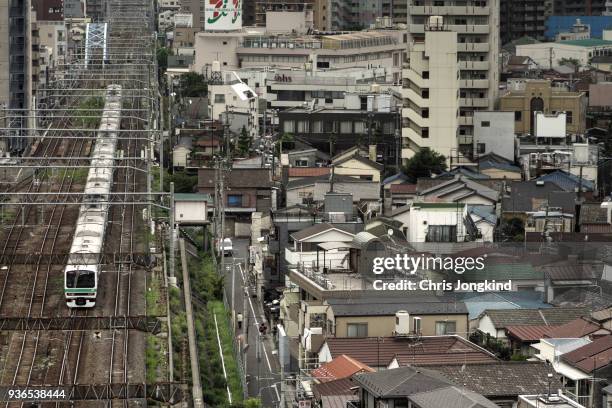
476 23
430 92
19 60
396 9
521 18
580 7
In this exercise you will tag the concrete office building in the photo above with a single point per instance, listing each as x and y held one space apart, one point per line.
476 23
430 90
254 47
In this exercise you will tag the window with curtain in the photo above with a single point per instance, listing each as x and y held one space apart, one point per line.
289 126
360 127
357 330
317 126
345 126
441 233
445 327
302 126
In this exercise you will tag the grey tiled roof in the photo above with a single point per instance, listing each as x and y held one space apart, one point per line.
381 306
534 317
451 397
501 379
401 382
529 196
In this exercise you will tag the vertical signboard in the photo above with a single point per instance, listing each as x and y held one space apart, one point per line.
223 15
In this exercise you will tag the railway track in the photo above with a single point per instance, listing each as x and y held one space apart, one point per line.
82 357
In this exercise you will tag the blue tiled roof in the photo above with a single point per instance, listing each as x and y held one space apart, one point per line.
567 181
483 212
397 176
476 303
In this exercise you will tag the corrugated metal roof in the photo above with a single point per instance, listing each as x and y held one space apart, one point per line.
528 333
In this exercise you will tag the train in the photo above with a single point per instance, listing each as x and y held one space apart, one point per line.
82 271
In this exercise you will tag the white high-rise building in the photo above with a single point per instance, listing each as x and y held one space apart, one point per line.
476 23
431 92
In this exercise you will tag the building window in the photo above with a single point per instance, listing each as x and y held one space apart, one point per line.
289 126
346 126
518 116
416 324
480 148
425 113
219 98
425 93
425 133
360 127
485 123
302 126
357 330
317 126
234 200
568 117
301 163
443 328
425 74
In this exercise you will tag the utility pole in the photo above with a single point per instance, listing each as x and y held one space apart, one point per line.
172 249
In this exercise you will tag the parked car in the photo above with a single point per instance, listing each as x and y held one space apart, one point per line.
226 246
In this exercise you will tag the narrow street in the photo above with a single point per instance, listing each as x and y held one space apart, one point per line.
263 374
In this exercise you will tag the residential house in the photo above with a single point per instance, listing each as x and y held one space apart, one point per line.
414 387
485 220
460 190
437 222
181 152
350 152
337 210
580 362
521 338
477 302
529 200
245 191
522 275
400 195
569 274
304 157
334 394
582 327
493 323
502 381
313 189
500 170
470 172
320 247
359 167
294 173
388 201
595 218
394 352
339 368
568 181
521 65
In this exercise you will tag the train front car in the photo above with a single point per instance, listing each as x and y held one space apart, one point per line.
81 275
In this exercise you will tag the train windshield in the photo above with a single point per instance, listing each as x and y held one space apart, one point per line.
80 279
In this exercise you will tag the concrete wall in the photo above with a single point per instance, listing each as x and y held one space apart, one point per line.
600 95
4 52
496 131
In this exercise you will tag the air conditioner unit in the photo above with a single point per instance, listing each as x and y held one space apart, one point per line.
402 323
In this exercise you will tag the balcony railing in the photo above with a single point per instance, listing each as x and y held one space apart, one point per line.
584 400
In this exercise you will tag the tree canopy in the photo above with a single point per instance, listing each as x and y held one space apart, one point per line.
193 84
424 163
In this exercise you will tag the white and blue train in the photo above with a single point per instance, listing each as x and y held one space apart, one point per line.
81 274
